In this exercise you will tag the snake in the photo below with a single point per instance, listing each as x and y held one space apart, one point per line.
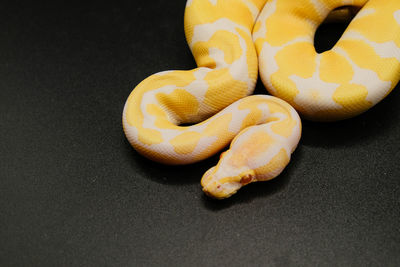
185 116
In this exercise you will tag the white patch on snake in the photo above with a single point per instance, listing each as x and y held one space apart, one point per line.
265 157
396 16
290 142
219 57
281 142
308 86
239 68
130 131
268 10
188 3
377 89
364 13
149 120
268 64
150 98
253 162
321 8
384 50
203 32
199 88
204 143
266 113
347 2
237 120
165 147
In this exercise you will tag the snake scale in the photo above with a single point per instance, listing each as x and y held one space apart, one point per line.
181 117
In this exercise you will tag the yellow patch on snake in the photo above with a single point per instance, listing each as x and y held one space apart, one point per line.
289 92
161 121
277 163
149 136
255 145
254 116
236 90
231 48
283 127
235 11
294 25
352 97
184 103
305 60
258 3
185 143
220 123
365 57
252 65
257 26
334 68
383 29
304 66
134 115
178 78
335 4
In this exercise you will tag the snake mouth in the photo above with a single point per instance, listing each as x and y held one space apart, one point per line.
221 191
215 187
209 194
225 187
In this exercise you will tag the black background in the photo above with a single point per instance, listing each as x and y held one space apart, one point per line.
74 193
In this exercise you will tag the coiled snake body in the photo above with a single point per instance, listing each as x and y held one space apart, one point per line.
229 40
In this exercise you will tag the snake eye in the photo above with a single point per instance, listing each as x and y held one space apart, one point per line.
246 179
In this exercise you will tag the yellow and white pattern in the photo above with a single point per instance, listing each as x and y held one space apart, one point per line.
362 68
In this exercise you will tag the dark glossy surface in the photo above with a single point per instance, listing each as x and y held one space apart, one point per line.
74 193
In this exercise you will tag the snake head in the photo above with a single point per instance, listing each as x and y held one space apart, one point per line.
222 181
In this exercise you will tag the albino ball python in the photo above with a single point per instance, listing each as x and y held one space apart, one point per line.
362 68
